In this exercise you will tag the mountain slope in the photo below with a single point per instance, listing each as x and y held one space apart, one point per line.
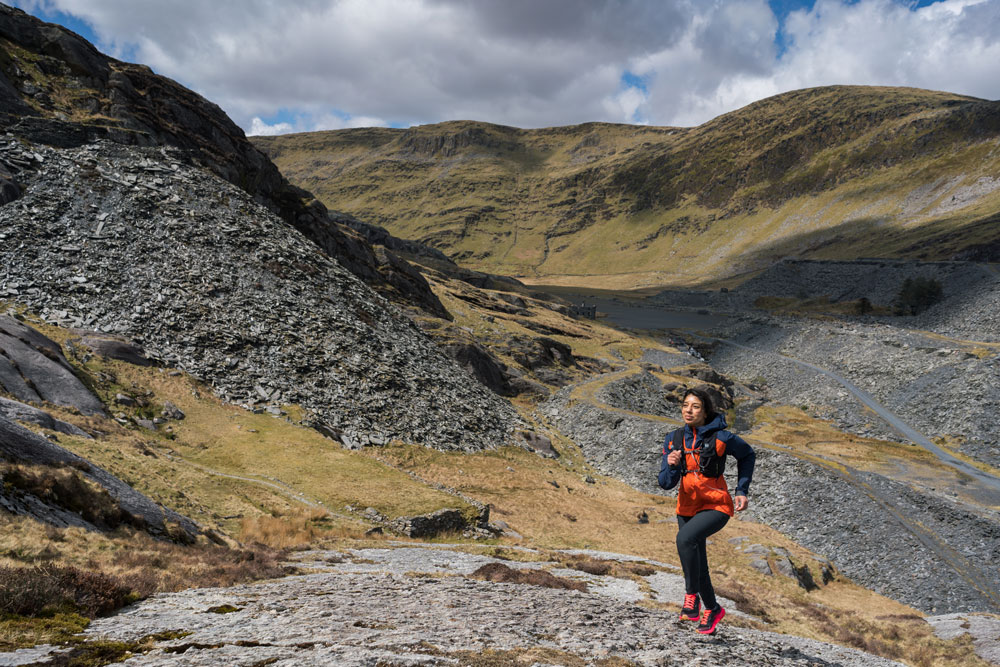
812 173
131 241
57 89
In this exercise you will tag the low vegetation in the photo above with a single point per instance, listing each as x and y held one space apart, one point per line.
52 580
501 573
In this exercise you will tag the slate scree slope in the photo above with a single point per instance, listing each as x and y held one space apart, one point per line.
134 206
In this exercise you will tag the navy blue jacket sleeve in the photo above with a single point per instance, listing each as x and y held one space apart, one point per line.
669 476
745 459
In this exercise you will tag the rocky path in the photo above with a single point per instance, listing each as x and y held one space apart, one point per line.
276 485
417 606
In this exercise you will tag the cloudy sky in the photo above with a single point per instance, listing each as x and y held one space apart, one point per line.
296 65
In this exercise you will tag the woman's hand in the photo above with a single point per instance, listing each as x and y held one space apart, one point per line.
674 457
740 503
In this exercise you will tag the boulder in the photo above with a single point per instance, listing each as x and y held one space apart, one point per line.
33 368
113 347
171 411
441 521
538 443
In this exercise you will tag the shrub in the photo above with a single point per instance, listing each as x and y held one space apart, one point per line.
94 593
27 591
31 591
591 566
501 573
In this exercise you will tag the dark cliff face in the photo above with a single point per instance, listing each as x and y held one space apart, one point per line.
57 89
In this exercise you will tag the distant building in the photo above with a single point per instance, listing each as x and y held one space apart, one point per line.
583 310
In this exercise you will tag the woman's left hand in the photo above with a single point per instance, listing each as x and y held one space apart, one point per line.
740 503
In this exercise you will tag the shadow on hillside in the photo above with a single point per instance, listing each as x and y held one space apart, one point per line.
944 239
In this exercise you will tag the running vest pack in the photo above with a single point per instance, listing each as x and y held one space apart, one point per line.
711 457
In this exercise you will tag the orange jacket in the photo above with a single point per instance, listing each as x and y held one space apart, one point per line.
698 491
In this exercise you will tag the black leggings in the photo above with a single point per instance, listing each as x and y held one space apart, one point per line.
691 548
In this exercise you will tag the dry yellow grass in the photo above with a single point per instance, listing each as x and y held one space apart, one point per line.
222 463
300 528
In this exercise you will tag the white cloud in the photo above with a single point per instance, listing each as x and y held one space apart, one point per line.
626 104
337 63
335 122
260 128
949 46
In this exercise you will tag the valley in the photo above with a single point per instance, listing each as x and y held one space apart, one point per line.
238 427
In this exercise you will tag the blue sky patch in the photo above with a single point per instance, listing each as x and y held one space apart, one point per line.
631 80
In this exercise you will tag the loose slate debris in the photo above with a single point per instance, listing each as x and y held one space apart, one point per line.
132 242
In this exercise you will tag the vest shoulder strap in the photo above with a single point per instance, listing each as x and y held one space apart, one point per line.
677 439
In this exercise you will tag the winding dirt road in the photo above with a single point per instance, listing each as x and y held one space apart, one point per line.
989 483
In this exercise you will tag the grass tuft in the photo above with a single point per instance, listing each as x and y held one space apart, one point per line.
499 572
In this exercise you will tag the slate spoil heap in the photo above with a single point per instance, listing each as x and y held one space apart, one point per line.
135 241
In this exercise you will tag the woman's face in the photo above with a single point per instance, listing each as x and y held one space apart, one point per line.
692 411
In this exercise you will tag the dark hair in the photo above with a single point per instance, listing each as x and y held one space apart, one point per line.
706 402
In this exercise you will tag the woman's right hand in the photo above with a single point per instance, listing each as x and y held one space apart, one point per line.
674 457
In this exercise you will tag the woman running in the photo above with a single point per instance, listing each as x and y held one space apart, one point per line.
695 456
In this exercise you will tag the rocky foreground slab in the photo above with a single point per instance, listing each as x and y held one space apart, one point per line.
417 606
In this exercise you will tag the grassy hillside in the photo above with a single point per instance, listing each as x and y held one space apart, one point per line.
835 172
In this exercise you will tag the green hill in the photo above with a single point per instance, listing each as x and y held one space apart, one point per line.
836 172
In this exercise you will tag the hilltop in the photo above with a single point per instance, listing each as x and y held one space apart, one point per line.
828 173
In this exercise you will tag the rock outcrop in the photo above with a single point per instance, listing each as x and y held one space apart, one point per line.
16 411
419 606
18 445
33 368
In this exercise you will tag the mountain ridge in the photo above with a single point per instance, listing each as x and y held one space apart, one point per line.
811 172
